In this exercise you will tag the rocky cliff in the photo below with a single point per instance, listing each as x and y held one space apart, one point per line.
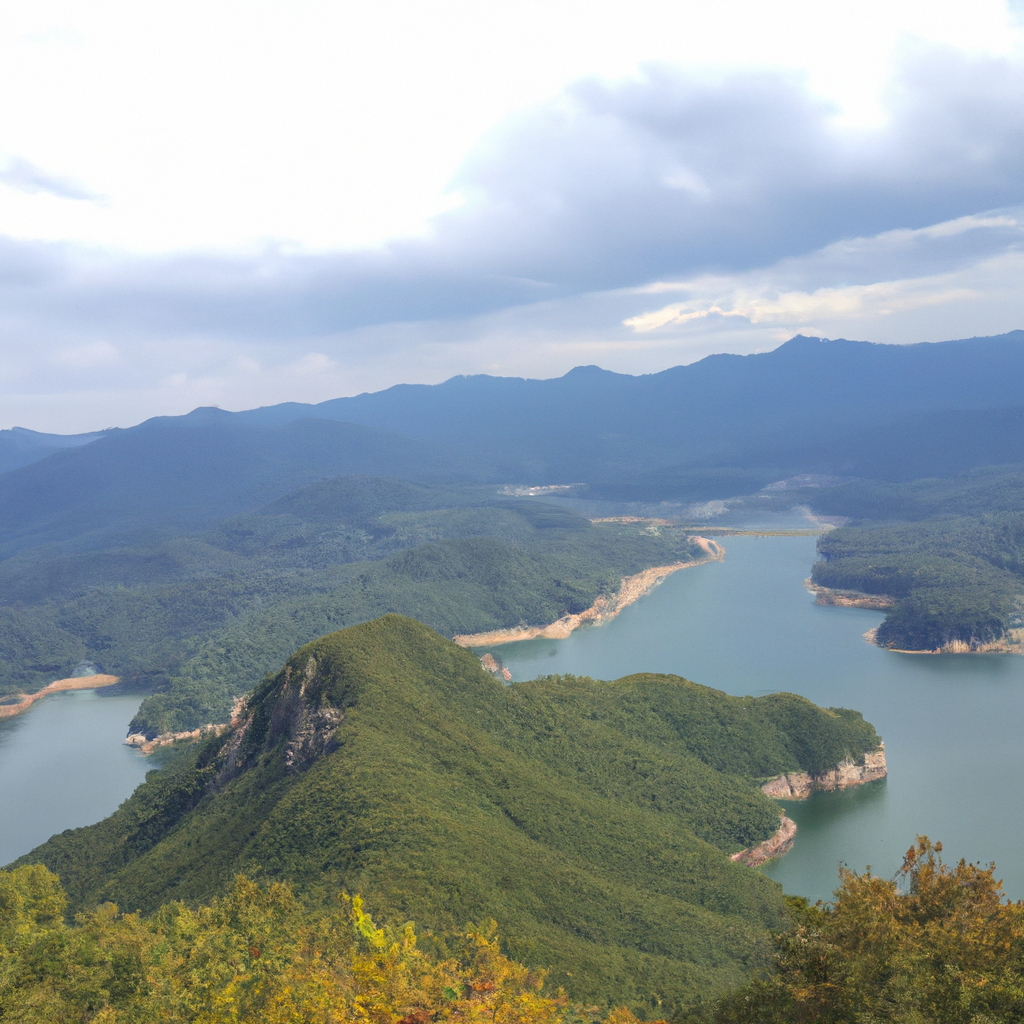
776 846
800 785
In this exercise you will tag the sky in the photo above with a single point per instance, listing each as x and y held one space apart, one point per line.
240 204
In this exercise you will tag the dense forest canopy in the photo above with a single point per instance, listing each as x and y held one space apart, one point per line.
592 820
950 551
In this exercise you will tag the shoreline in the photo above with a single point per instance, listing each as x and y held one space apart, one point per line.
58 685
1014 645
166 739
800 785
827 597
777 845
604 609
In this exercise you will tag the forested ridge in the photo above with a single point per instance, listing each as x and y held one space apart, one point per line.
198 617
592 820
951 552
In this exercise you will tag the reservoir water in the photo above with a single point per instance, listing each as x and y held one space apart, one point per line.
953 725
63 763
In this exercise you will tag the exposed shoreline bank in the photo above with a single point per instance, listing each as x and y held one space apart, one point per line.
800 785
1013 645
828 597
776 846
604 609
167 739
74 683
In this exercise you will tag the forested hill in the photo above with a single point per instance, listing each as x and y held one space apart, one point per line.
201 616
725 425
591 820
950 552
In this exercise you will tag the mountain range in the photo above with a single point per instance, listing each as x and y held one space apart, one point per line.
724 426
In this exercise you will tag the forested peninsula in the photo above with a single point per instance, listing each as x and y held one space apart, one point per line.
945 557
593 820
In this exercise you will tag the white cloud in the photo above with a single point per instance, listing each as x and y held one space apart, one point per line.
636 220
332 126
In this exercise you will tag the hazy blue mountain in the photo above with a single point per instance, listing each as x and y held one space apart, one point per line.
822 406
21 447
723 426
180 473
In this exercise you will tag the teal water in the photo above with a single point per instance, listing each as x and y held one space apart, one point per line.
953 726
63 763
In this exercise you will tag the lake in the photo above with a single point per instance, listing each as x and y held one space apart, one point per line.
953 725
63 763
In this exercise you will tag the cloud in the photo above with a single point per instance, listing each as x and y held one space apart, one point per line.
611 186
634 224
26 177
862 280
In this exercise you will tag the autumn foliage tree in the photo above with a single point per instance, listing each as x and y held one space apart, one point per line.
936 943
254 955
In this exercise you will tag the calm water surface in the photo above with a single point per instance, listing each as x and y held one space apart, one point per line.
953 726
63 763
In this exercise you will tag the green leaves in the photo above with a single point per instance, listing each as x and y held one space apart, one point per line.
937 943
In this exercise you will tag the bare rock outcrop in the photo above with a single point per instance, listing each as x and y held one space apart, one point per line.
776 846
800 785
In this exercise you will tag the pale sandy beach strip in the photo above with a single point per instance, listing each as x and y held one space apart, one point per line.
75 683
604 609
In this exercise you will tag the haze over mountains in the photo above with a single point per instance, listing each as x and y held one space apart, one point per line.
196 552
726 425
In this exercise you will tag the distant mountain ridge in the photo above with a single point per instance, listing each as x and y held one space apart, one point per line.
723 426
21 447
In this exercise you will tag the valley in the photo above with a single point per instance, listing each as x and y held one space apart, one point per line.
626 834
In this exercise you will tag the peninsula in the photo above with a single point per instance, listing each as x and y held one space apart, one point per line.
26 700
382 758
604 609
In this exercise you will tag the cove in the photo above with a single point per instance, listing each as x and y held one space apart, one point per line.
953 725
64 764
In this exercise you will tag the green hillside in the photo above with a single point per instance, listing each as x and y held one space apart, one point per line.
199 617
591 820
950 551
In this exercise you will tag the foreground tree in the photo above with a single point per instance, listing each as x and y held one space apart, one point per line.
936 943
254 955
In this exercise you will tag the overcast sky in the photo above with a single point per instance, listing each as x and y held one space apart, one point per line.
244 203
